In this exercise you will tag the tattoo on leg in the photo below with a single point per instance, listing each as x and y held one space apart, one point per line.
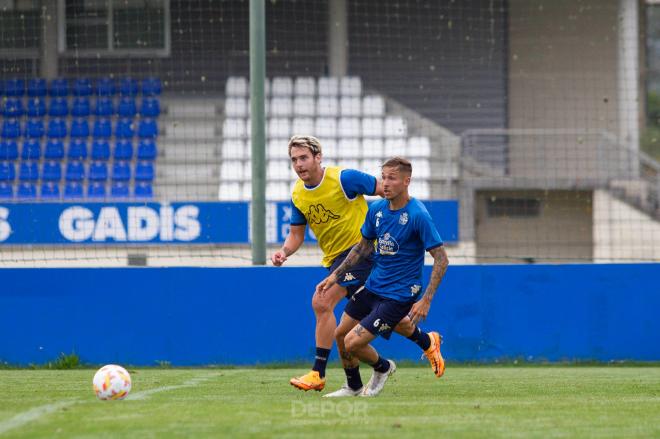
358 330
346 355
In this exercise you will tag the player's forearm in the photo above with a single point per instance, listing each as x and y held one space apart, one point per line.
359 251
440 264
292 243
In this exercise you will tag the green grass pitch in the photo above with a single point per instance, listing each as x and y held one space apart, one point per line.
480 402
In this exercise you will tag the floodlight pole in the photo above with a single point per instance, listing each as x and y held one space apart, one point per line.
257 79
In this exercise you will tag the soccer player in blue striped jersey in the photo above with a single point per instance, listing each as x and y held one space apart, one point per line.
403 231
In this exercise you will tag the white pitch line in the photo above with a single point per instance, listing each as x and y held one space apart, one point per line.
38 412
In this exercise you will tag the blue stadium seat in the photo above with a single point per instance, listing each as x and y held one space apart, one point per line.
73 190
29 171
36 107
150 107
121 171
75 171
37 87
51 171
7 171
124 129
34 129
13 107
27 191
59 107
31 149
82 87
147 149
105 87
8 150
102 129
54 150
123 150
127 107
81 107
79 128
11 129
96 190
144 171
151 87
128 87
15 87
77 150
100 150
104 107
143 189
50 191
6 190
119 189
56 128
148 129
59 87
98 171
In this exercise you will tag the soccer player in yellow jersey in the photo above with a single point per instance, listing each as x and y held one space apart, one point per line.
331 200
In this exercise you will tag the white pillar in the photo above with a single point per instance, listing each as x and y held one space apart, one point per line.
628 74
337 38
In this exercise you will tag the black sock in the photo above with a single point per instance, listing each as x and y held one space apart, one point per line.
382 365
422 339
322 355
353 377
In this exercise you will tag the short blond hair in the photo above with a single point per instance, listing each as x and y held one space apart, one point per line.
404 166
309 142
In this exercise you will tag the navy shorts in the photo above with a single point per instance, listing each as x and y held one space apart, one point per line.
378 315
356 276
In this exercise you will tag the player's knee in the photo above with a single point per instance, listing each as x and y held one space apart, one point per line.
351 344
321 305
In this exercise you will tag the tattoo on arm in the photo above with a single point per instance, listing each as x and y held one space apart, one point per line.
440 263
287 251
359 251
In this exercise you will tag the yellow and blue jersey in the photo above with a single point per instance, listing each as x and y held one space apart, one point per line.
403 236
334 209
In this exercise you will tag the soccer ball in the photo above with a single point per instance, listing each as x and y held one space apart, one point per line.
111 382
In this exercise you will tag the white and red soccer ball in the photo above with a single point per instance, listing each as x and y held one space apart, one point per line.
111 382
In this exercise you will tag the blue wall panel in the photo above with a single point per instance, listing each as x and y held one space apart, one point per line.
193 316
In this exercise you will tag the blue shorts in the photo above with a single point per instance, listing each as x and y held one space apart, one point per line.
356 276
377 314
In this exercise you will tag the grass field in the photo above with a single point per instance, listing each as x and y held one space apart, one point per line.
621 402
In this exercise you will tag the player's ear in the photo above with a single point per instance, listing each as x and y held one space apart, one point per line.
406 180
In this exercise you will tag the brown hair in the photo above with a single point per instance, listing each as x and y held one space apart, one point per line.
400 163
309 142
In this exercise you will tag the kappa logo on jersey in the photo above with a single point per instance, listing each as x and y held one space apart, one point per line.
318 214
415 289
349 277
387 245
381 328
403 219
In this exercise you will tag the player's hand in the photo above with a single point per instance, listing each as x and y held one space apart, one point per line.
278 258
419 311
326 284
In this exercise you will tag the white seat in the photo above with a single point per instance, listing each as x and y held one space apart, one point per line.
231 170
328 86
419 147
349 163
350 106
278 191
330 149
373 105
235 149
327 106
304 86
421 169
395 147
350 86
372 167
419 189
236 86
230 191
348 148
349 127
247 170
303 125
236 107
281 86
325 127
372 127
234 128
278 170
372 149
330 162
304 106
395 126
279 127
280 107
246 191
277 149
